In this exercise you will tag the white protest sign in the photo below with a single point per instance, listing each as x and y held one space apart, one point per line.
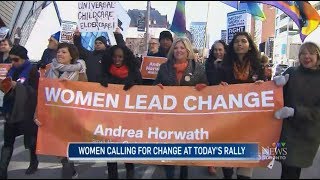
67 30
237 21
97 16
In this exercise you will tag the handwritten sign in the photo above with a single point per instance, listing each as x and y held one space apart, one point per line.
150 66
67 30
97 16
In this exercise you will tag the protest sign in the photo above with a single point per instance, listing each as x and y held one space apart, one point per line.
88 112
237 21
67 30
4 68
97 16
150 66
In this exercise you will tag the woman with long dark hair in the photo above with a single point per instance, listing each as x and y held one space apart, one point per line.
242 64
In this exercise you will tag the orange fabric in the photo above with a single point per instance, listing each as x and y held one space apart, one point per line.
180 68
241 72
120 72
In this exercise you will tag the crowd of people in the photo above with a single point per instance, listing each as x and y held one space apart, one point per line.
237 63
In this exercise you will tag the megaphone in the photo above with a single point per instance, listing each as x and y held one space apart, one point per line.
3 33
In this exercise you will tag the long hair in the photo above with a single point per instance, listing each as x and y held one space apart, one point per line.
128 58
312 48
211 57
253 55
186 42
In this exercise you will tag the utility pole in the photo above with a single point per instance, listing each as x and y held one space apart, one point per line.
147 25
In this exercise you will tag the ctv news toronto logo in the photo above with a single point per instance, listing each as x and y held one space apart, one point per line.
278 151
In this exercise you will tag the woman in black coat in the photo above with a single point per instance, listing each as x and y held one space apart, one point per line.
301 114
119 66
242 64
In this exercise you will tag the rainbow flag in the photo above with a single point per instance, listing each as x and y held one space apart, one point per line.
301 12
178 25
251 8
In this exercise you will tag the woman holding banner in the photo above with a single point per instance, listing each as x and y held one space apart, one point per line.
242 64
181 70
67 67
216 55
301 125
119 66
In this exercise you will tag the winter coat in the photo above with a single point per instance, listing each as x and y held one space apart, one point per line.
93 58
47 56
301 133
134 76
225 74
212 70
4 61
19 103
194 74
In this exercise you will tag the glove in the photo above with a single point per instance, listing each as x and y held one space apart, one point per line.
104 83
199 87
160 85
284 112
128 86
281 80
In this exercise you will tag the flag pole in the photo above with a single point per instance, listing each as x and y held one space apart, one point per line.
147 24
206 30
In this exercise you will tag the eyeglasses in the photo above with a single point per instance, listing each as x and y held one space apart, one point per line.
15 59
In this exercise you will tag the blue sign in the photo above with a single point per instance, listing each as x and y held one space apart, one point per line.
283 49
159 151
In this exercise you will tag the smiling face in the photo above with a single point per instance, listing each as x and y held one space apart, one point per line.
180 52
241 45
309 57
218 50
118 57
64 56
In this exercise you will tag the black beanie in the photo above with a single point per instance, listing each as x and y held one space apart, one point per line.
103 40
20 51
165 34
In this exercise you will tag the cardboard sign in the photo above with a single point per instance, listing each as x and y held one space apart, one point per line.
4 68
97 16
150 66
67 30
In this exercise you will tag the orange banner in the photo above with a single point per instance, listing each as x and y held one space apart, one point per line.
150 66
88 112
4 68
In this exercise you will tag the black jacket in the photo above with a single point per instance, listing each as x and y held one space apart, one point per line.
4 61
302 131
47 56
225 74
193 75
212 70
93 58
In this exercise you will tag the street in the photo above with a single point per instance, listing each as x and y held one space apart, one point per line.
49 168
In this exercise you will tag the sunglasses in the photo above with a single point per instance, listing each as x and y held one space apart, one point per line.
15 59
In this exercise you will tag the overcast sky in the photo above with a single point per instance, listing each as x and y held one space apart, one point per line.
195 11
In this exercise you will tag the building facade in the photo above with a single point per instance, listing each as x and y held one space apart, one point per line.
199 35
287 38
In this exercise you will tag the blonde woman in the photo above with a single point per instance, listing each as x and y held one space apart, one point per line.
181 70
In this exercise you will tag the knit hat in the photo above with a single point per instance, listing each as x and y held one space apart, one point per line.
165 34
56 36
103 40
20 51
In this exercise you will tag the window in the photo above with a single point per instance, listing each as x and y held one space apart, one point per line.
88 38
